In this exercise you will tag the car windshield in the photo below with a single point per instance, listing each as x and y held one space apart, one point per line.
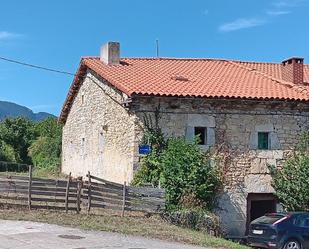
268 219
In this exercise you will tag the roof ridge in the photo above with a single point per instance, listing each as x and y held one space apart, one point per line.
254 70
256 62
173 58
188 59
280 81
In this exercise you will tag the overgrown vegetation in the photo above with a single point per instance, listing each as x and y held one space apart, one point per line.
28 142
187 176
180 167
291 181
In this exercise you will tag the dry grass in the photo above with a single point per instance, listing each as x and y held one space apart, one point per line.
151 227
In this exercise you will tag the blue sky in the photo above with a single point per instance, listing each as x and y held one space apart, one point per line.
57 33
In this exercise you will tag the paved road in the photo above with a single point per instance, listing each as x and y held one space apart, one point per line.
32 235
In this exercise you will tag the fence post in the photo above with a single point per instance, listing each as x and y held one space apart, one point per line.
89 192
79 190
29 187
124 190
67 194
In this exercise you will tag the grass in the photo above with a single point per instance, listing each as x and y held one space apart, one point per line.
150 227
38 172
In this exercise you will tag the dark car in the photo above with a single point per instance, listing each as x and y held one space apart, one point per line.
280 231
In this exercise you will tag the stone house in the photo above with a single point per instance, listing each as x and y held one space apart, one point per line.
254 112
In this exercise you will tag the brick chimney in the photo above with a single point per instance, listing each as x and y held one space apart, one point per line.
292 70
110 53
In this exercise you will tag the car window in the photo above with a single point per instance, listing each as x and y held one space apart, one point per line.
268 219
306 224
302 221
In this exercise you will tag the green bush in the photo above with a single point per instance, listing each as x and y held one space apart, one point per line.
45 150
7 153
184 171
197 219
149 171
187 176
291 182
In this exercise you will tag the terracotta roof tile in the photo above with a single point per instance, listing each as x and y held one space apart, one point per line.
203 78
213 78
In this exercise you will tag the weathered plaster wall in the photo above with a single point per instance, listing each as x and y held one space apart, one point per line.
98 135
233 126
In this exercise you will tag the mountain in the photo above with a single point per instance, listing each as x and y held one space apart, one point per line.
12 110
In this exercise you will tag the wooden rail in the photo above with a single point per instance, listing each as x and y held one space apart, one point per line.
76 194
109 195
39 193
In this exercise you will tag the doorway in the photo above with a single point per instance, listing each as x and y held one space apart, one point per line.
258 205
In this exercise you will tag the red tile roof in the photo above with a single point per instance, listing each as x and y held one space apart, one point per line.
210 78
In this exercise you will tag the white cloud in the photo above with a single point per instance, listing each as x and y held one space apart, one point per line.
241 23
205 12
4 35
289 3
277 12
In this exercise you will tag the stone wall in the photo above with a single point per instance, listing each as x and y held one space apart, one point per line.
98 135
232 126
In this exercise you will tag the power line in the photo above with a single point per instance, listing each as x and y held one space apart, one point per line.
60 72
35 66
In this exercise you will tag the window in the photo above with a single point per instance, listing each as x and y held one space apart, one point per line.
263 141
302 221
83 147
83 98
101 142
201 133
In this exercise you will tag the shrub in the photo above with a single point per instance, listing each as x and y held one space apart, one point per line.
7 153
197 219
45 152
149 171
187 176
291 182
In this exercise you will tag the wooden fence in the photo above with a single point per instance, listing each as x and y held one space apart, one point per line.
75 194
13 167
39 193
100 193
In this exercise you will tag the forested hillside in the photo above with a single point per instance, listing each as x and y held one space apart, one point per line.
12 110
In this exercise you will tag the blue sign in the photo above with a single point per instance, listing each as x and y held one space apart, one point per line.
144 149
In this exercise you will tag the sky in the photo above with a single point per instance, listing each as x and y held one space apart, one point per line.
57 33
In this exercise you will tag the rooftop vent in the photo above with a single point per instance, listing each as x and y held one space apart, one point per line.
292 70
110 53
179 78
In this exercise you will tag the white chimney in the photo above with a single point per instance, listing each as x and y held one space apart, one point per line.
110 53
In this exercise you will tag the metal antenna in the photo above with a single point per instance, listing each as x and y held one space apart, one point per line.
157 47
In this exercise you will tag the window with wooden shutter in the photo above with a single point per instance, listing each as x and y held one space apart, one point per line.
263 141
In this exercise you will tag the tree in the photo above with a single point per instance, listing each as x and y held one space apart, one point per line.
45 150
49 127
291 183
7 153
17 134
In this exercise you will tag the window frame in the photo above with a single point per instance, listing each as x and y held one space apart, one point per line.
261 145
202 131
